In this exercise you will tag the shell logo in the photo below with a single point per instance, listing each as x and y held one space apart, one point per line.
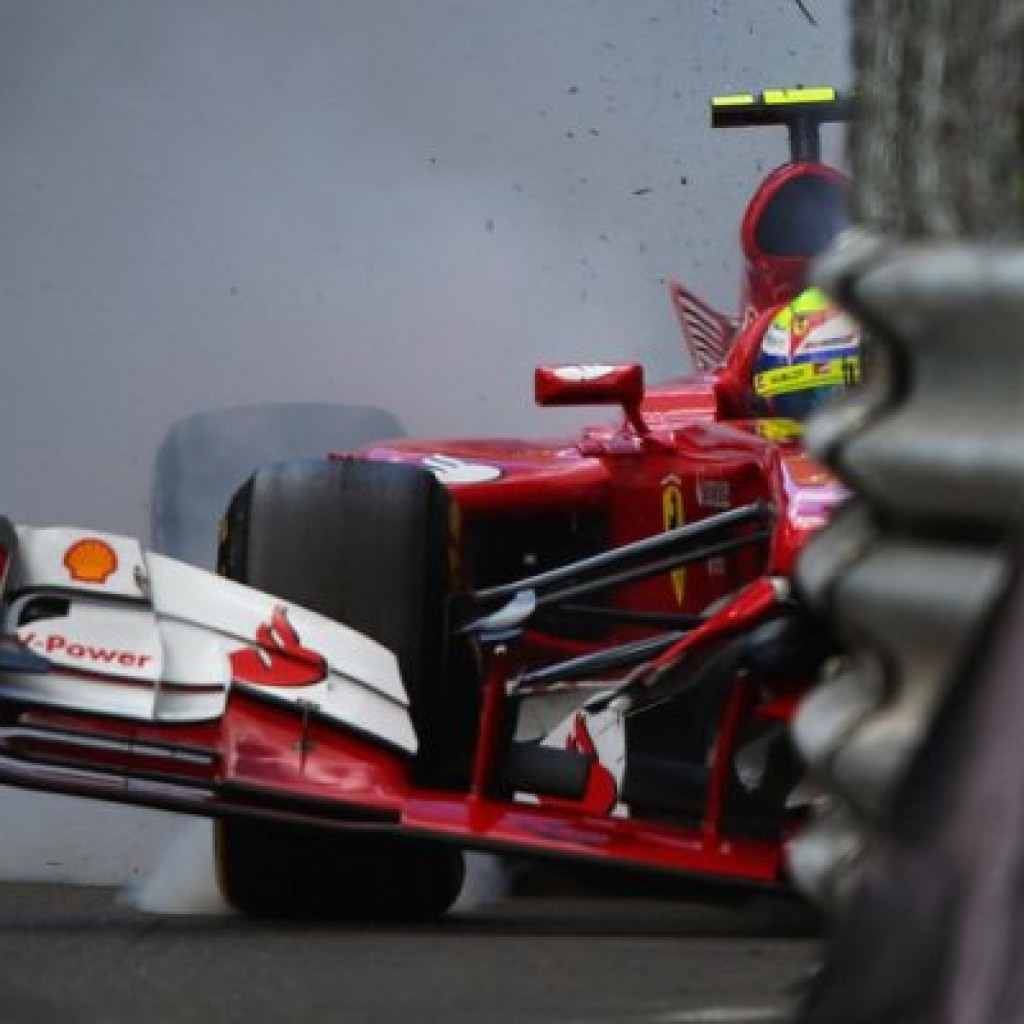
90 560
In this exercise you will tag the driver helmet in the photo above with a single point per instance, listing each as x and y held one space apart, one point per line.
810 351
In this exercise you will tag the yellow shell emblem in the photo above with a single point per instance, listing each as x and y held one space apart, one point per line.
90 560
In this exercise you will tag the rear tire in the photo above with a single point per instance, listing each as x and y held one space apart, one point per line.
366 544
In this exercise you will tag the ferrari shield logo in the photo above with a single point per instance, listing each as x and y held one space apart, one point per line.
674 516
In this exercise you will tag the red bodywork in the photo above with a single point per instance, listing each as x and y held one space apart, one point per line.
690 462
683 453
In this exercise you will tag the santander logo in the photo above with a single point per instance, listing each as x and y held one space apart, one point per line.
279 659
602 792
451 470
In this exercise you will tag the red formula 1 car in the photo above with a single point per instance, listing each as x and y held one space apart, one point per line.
582 648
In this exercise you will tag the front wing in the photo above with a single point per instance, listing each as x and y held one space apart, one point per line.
129 677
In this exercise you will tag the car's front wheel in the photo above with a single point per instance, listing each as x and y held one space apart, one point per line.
268 869
366 544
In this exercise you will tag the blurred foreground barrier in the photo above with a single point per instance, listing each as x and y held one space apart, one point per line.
917 563
918 735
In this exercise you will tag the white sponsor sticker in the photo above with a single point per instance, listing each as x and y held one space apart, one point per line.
585 371
450 470
65 649
716 494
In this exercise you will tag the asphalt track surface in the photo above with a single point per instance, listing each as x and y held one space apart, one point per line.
72 954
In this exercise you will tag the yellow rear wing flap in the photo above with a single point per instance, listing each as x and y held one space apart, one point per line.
801 109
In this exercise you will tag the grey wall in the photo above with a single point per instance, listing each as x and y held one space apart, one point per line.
207 203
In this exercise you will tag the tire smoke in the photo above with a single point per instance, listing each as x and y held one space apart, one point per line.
488 880
183 879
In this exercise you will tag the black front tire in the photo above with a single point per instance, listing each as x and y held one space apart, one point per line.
366 544
289 872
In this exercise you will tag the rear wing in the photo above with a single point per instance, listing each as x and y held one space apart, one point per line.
802 110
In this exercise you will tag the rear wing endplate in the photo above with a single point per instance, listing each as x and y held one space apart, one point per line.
708 333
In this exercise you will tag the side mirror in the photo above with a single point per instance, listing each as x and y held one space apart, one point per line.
596 384
621 384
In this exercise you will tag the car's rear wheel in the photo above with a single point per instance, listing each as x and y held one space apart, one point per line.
367 544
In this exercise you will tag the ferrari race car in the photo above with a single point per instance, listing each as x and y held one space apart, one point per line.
583 648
